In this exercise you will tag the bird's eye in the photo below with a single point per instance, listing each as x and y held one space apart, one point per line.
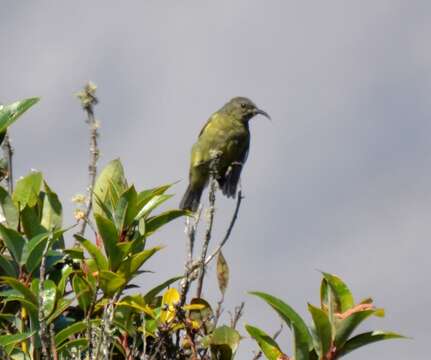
243 105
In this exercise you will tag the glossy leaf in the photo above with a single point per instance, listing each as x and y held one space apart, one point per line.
78 344
71 330
224 342
12 340
129 267
10 113
94 251
323 329
155 222
303 340
366 339
51 210
154 202
145 196
344 328
266 343
342 293
110 237
110 282
8 266
33 250
13 241
112 176
20 287
30 222
27 190
9 210
49 297
83 292
126 208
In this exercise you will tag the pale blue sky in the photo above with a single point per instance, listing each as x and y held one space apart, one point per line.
339 181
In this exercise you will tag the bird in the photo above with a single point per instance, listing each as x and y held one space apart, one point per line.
221 150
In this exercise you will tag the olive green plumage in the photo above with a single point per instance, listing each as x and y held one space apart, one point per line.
226 137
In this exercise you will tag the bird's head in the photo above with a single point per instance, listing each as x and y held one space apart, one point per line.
243 109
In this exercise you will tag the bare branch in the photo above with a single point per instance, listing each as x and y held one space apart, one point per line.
8 152
229 230
238 311
88 101
211 211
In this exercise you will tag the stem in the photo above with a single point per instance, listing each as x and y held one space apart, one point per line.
8 152
211 211
44 331
88 100
229 230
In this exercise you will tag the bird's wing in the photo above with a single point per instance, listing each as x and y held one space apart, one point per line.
207 124
229 182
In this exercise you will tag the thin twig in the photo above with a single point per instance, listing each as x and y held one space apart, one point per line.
237 315
8 152
44 331
219 310
211 211
275 336
88 100
229 230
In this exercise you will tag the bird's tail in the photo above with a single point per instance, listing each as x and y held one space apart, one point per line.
191 198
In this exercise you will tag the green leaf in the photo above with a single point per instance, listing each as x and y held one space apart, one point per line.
111 177
110 238
71 330
63 351
8 266
266 343
154 202
27 190
147 195
110 282
66 271
83 291
149 296
367 338
95 252
204 316
10 113
129 267
9 210
33 250
126 208
62 305
303 340
155 222
51 211
30 222
21 288
344 328
49 296
342 293
13 241
223 342
14 339
323 329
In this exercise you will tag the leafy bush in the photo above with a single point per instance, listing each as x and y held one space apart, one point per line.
77 302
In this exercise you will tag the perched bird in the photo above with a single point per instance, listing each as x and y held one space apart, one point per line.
222 147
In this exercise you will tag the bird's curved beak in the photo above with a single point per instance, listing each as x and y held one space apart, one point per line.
264 113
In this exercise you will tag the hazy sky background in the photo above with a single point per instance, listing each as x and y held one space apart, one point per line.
339 181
